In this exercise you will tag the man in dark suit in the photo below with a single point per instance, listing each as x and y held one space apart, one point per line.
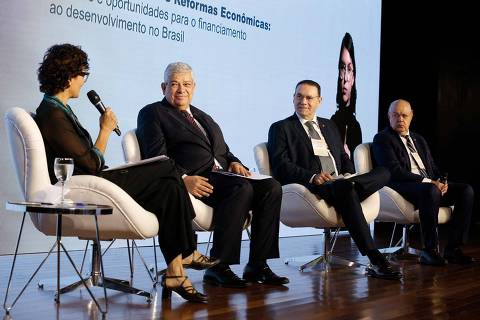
306 149
416 177
190 137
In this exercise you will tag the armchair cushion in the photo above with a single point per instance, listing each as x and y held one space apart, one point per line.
128 221
302 208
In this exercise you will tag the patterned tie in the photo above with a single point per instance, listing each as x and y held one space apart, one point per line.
325 161
191 120
413 151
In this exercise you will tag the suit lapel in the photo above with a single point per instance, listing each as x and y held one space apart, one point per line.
180 118
205 124
401 146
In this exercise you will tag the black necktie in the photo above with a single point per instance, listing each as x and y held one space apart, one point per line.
412 150
325 161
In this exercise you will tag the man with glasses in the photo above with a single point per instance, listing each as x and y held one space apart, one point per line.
307 149
416 177
190 137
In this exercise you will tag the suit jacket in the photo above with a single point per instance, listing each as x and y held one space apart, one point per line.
390 152
163 130
291 153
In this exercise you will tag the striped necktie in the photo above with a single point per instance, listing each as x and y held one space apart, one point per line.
325 161
413 151
191 119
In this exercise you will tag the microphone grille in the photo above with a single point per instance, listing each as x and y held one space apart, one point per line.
93 96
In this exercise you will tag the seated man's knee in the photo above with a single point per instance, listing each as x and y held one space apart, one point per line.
431 192
343 187
383 175
245 188
274 187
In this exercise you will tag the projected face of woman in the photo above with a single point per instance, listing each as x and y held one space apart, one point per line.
346 76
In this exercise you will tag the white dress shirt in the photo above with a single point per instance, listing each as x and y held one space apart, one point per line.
323 143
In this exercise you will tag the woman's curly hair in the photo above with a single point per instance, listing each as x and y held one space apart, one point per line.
60 63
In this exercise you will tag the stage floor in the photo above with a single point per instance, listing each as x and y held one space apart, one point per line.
451 292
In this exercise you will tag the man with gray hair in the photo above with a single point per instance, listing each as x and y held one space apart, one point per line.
190 137
416 177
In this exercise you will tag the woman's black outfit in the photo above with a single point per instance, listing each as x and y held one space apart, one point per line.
156 186
348 125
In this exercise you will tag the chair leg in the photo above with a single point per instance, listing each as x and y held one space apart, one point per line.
95 279
327 259
402 249
208 243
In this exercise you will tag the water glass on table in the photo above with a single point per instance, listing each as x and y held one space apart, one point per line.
63 168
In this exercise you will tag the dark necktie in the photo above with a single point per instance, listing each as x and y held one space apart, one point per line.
412 150
191 120
325 161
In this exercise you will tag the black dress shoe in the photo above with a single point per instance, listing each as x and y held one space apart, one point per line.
202 262
456 256
263 274
383 270
221 275
431 258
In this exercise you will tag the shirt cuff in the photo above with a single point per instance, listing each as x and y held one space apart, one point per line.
311 179
426 180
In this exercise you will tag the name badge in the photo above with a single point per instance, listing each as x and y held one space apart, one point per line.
319 148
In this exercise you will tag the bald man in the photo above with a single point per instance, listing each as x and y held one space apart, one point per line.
416 177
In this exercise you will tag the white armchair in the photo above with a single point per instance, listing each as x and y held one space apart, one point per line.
393 207
203 213
301 208
128 221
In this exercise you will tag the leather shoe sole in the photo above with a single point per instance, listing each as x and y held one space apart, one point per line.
256 278
376 272
216 282
432 259
223 278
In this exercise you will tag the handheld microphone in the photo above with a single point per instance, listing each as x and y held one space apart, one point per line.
97 102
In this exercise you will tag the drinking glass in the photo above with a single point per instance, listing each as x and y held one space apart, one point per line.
63 168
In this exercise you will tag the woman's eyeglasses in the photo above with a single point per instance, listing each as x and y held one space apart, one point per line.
346 72
85 75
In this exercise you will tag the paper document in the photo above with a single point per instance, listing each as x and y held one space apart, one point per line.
254 176
341 176
138 163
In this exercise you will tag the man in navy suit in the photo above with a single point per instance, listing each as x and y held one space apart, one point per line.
190 137
307 149
416 177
